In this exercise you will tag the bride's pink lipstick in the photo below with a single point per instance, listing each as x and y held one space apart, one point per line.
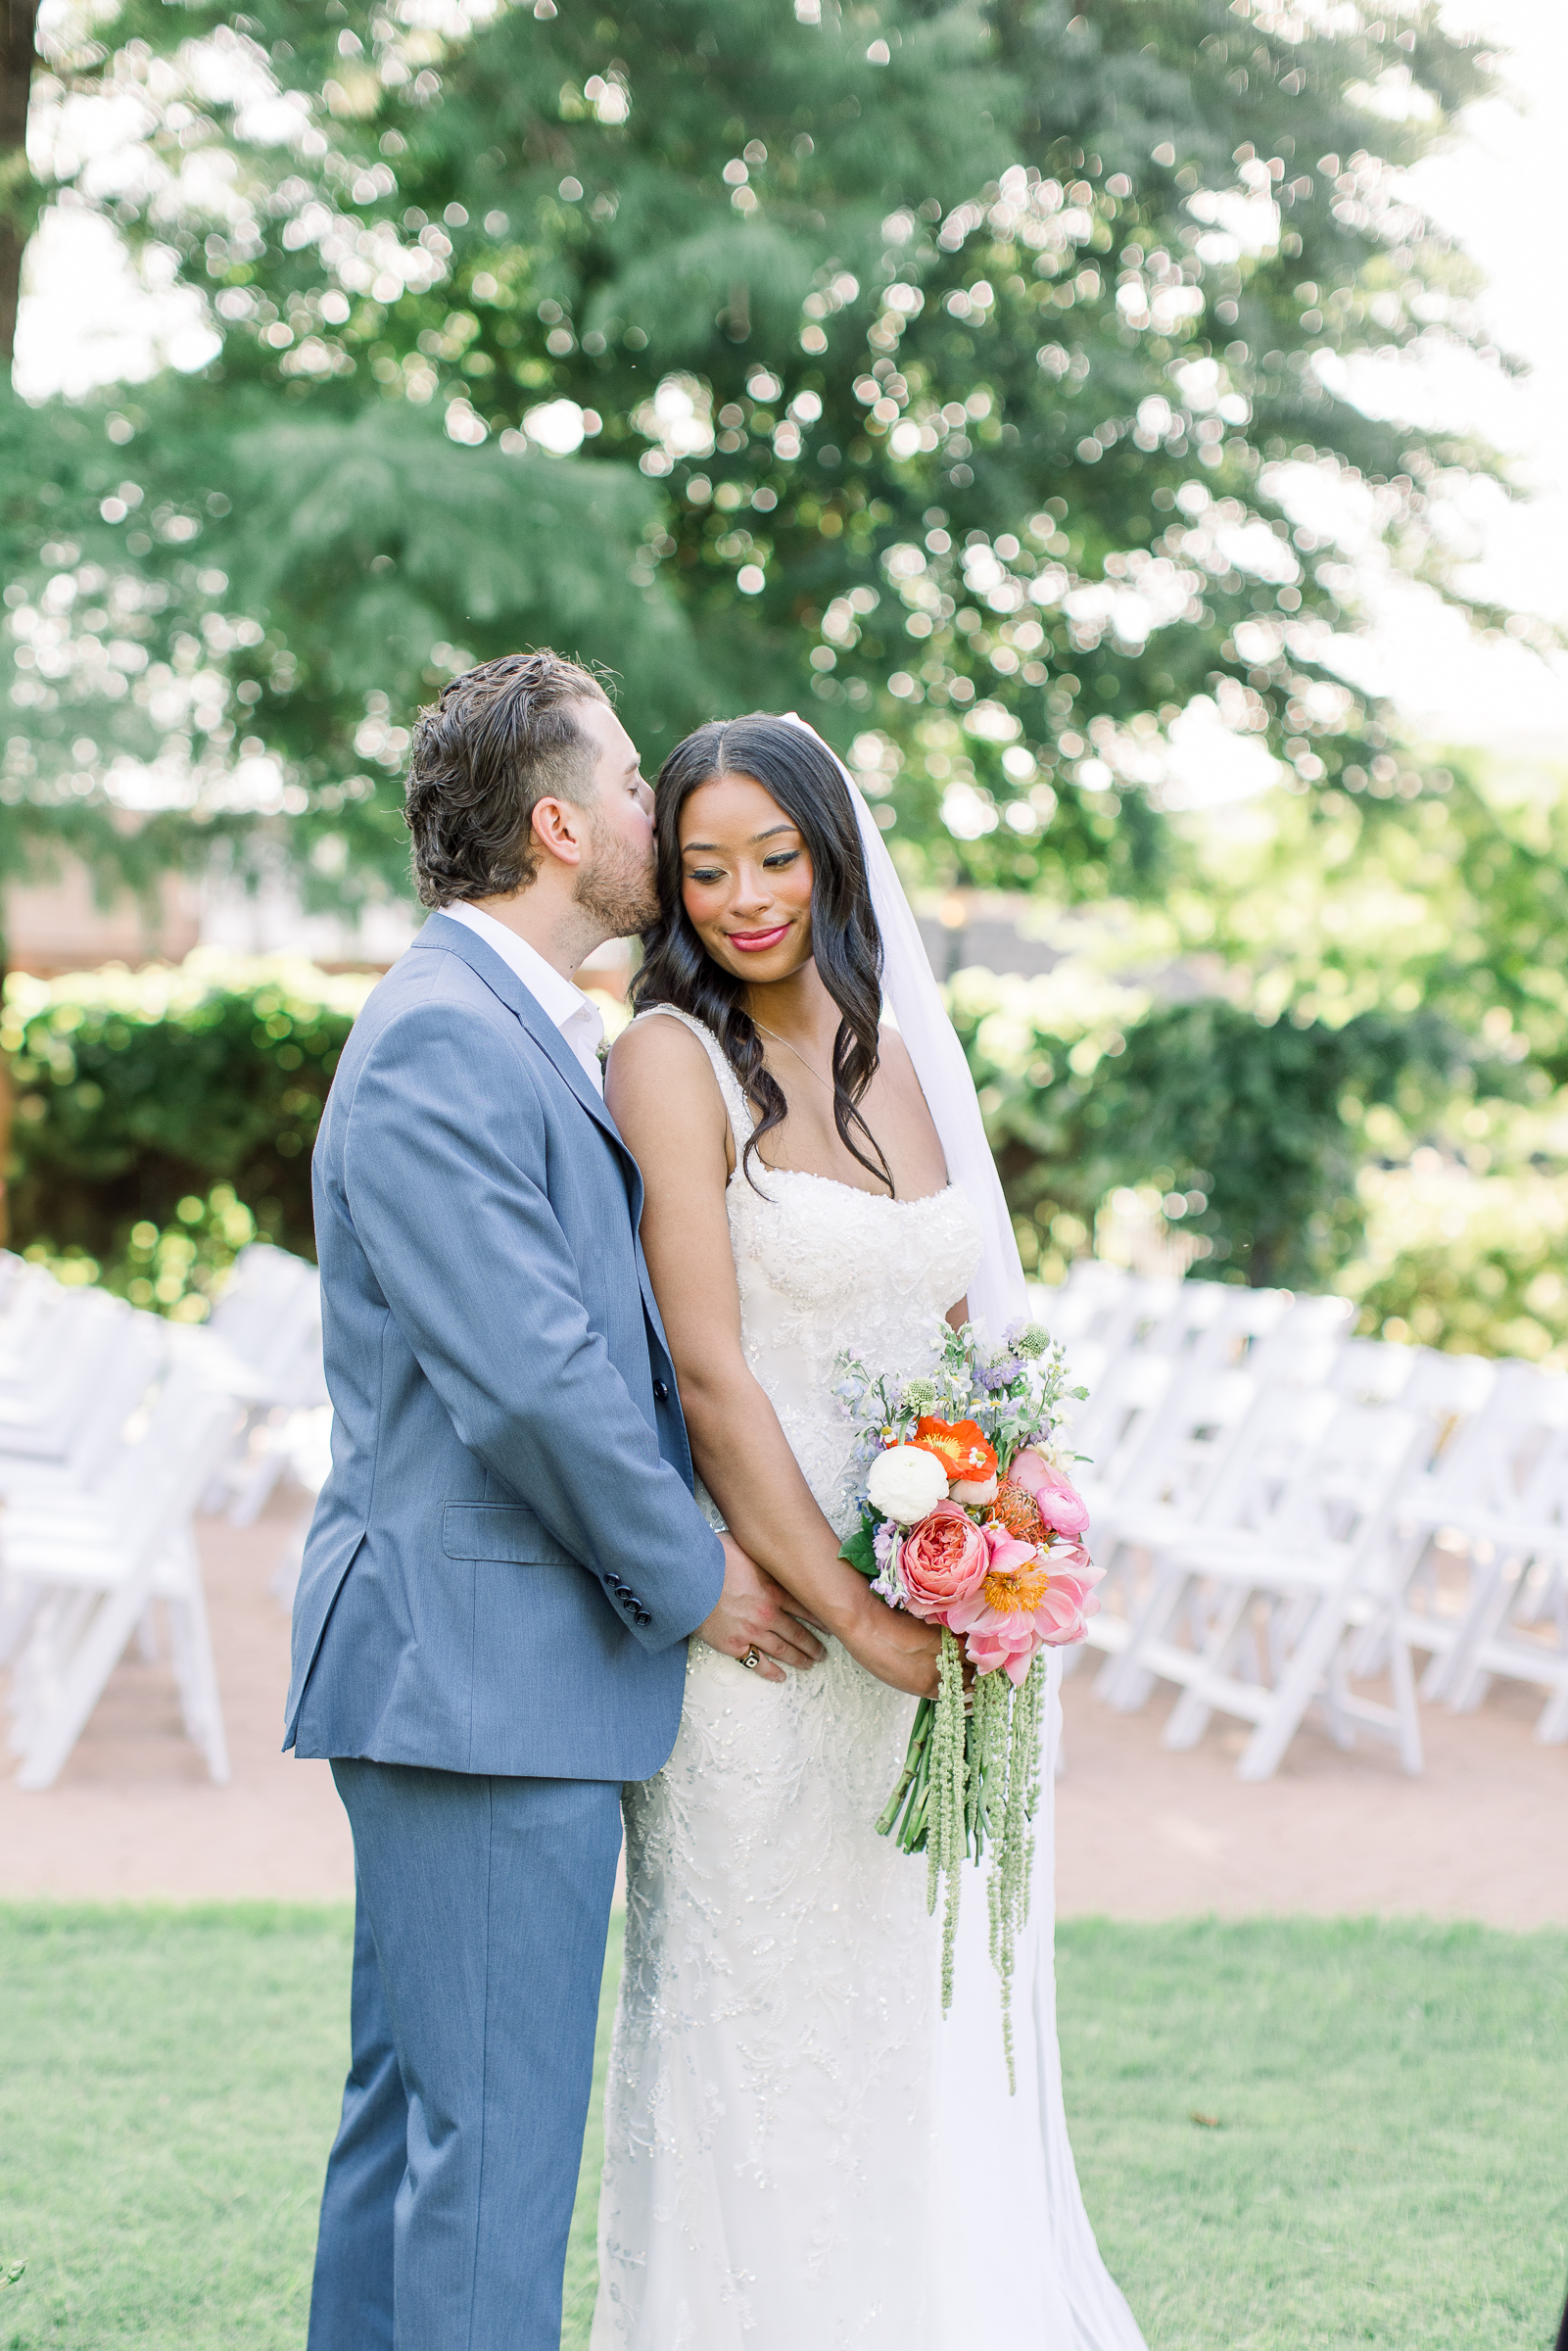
754 942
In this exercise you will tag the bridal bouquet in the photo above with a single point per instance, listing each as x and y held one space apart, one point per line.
969 1521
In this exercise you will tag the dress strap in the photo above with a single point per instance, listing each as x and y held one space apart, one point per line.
741 1114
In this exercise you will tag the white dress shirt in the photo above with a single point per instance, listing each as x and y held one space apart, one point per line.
578 1020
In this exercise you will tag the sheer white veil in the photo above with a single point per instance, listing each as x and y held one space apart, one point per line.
1004 2161
996 1295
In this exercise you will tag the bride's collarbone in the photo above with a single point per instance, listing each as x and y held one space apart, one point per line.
805 1145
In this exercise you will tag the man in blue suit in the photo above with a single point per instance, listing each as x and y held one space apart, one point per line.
506 1561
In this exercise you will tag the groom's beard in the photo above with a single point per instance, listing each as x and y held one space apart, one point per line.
618 889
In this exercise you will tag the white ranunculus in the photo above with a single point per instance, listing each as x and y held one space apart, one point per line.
905 1482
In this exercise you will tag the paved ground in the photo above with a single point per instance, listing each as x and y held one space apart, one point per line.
1141 1834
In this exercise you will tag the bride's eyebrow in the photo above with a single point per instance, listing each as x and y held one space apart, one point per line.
715 848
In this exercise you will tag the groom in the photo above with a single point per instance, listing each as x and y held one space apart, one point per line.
506 1561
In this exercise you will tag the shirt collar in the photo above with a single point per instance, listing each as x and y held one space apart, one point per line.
561 1001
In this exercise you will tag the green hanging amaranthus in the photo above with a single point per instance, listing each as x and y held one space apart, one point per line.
971 1779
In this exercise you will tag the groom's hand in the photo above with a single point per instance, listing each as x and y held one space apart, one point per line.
756 1612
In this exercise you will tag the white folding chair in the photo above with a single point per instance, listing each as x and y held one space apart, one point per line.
268 1320
1417 1597
1279 1596
1239 1498
1515 1623
87 1565
1495 1424
1300 1344
1158 1485
112 1376
67 1347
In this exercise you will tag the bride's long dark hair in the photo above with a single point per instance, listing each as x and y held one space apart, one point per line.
795 769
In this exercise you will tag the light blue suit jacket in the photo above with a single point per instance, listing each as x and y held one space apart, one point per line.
505 1560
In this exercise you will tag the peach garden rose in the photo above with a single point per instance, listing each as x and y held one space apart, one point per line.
945 1559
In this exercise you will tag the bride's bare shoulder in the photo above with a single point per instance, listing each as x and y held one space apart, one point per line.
659 1073
893 1056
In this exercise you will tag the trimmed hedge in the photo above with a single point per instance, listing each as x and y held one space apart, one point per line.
164 1118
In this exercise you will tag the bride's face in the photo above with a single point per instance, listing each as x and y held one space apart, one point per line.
746 880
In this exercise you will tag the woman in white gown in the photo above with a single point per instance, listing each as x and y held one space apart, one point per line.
802 2153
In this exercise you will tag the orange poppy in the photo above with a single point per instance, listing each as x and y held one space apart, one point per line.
959 1445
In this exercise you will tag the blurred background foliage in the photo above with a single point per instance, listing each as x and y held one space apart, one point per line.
164 1117
972 379
978 379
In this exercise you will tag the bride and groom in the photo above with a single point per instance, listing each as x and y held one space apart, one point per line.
579 1551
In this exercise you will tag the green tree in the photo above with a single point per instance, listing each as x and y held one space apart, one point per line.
959 359
950 373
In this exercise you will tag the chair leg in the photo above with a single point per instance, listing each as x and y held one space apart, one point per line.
1124 1682
1447 1674
17 1607
190 1640
1401 1674
204 1714
1336 1692
1551 1727
1262 1756
81 1684
1190 1715
1469 1683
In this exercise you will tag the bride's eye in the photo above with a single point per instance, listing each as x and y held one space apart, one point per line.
705 873
779 859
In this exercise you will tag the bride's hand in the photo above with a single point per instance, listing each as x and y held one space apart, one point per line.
897 1649
756 1613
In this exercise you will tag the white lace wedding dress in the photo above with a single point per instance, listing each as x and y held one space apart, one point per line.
802 2153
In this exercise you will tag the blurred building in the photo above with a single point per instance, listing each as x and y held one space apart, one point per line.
59 927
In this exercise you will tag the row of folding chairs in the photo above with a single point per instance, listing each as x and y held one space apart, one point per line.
1286 1512
115 1426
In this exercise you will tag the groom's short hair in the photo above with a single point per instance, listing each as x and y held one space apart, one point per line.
503 738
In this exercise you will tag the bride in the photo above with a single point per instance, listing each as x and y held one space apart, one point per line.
802 2153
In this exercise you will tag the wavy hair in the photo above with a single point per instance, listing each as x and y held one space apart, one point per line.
804 779
503 738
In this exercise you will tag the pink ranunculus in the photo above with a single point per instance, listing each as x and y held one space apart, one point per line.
1056 1498
944 1558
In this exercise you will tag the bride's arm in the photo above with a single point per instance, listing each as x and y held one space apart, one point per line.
665 1100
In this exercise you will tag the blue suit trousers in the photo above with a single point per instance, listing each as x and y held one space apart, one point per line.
479 1949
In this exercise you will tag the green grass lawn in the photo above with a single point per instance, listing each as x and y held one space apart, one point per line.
1389 2165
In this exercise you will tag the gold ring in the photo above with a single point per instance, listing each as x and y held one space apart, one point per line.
752 1658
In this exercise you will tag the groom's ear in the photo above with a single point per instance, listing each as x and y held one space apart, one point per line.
560 830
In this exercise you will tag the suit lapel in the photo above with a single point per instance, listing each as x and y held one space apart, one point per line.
456 938
442 933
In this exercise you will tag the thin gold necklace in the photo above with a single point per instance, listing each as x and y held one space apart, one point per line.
795 1050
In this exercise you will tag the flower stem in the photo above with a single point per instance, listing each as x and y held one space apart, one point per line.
918 1739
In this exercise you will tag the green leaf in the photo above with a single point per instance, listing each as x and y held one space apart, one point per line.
860 1548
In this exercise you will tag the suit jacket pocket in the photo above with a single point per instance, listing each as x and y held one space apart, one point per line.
500 1530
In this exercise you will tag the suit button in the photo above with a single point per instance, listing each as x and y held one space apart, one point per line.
644 1618
661 1391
